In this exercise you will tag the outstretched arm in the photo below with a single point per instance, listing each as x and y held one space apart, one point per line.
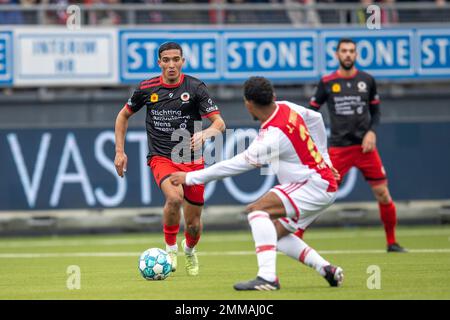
227 168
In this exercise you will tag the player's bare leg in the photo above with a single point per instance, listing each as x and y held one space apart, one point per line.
388 215
171 218
193 229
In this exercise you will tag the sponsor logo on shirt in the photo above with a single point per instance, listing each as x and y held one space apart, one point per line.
362 86
154 98
185 96
336 88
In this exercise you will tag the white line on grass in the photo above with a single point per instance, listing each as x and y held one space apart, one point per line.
60 242
207 253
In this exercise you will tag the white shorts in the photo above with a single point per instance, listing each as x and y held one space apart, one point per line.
304 202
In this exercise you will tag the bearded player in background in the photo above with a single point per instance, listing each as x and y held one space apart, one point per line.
354 109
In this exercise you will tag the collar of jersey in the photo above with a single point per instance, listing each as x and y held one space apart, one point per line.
271 117
166 85
349 77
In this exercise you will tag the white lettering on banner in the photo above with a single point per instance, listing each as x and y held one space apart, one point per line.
208 55
64 47
442 53
31 187
386 51
108 164
365 53
269 54
442 44
71 151
428 52
197 55
136 58
331 50
380 53
141 138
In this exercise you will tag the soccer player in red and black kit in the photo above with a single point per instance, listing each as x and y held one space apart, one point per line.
354 109
175 103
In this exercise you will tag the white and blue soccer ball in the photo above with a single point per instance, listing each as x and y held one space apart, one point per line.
155 264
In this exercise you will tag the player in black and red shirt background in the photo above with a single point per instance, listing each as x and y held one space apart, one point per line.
175 105
354 109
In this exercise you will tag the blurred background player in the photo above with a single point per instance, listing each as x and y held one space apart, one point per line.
307 182
174 102
353 106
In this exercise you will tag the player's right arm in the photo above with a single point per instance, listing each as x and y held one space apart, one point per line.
134 104
319 97
120 131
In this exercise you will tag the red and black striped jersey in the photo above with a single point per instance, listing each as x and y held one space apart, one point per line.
353 106
172 113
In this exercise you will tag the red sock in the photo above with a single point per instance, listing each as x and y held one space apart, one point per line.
170 234
190 240
389 218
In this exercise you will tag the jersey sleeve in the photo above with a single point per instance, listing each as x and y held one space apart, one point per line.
319 97
207 106
316 128
137 100
261 151
374 106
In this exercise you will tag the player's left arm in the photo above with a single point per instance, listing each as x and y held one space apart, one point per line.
370 138
216 127
208 109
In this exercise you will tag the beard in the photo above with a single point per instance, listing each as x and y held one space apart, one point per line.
346 65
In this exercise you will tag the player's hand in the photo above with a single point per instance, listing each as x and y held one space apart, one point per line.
369 142
197 140
178 178
120 162
336 174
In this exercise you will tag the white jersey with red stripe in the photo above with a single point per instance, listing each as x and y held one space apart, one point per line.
292 141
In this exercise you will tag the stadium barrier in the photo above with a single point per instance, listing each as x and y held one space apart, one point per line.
217 14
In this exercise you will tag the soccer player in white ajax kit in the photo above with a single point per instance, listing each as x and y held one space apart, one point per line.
293 141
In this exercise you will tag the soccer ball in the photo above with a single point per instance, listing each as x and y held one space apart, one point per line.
155 264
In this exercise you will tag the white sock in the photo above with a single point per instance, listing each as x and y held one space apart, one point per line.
188 250
265 236
172 247
297 249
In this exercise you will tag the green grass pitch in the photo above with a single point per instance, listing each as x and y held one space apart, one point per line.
36 268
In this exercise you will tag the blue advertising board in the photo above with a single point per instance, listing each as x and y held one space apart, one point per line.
138 53
6 61
278 55
70 169
384 53
434 52
287 55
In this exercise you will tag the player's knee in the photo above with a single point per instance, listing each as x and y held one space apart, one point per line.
252 207
382 194
174 201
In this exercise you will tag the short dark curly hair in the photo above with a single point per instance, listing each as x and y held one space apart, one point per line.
259 90
169 46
